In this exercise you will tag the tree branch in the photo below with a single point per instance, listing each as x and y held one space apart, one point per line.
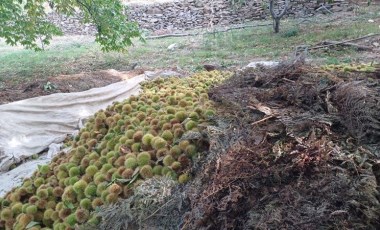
343 42
282 13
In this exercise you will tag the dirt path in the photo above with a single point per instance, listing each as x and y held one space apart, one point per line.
63 84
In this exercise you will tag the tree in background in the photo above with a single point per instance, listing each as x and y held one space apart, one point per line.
278 9
24 22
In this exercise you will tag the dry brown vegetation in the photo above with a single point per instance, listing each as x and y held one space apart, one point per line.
303 142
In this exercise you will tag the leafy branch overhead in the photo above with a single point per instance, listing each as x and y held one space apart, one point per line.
24 22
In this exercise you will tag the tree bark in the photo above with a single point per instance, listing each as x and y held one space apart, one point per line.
277 16
276 25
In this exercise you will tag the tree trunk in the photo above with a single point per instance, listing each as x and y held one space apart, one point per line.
276 25
277 15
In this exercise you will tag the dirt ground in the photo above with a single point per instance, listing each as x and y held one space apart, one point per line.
63 84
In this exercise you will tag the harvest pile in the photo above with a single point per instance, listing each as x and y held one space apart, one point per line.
119 147
368 68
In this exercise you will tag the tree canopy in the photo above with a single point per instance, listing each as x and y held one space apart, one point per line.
24 22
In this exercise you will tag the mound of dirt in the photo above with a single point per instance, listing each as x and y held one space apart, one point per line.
63 84
300 152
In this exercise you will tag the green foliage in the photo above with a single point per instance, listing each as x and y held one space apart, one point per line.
49 86
290 33
114 32
24 23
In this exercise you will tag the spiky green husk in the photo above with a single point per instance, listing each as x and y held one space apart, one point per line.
44 169
115 188
137 136
209 113
146 172
97 202
90 190
33 199
80 186
176 166
17 208
82 215
161 153
167 135
106 167
147 139
94 221
23 220
191 150
136 147
181 115
42 193
111 198
183 178
6 214
99 178
91 170
143 158
194 116
15 197
158 143
41 204
131 163
183 144
168 160
48 213
71 220
127 173
85 203
157 170
32 209
175 151
73 180
63 213
38 182
190 125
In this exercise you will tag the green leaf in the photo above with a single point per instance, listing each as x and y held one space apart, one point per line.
123 181
68 205
32 224
136 172
134 177
110 183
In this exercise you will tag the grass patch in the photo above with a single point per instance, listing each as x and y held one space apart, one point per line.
235 47
68 58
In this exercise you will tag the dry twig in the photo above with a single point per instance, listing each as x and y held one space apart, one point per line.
343 42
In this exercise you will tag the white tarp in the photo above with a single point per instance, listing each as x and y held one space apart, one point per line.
29 126
15 177
255 64
38 124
